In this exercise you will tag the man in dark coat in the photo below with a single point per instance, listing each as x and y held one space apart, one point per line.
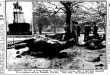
95 29
87 31
74 32
78 30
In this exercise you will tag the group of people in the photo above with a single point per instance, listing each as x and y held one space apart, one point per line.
88 29
75 30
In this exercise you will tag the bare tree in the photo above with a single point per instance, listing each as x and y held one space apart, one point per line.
79 10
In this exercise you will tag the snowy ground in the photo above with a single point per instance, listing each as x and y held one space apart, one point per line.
79 58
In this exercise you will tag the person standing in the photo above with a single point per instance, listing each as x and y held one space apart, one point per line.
95 29
87 30
74 32
78 30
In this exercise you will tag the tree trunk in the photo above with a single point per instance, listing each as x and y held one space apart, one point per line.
67 6
40 30
34 27
54 29
68 16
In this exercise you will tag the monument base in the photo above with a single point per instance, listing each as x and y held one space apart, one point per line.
19 29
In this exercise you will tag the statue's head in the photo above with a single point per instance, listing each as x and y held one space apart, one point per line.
16 5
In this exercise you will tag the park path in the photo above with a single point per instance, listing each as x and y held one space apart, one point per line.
79 58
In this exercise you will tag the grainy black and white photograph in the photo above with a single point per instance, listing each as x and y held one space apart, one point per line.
66 35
